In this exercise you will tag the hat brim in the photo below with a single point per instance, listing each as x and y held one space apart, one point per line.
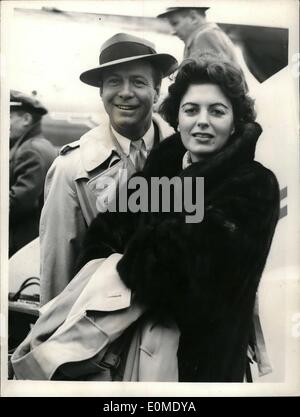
27 108
176 10
166 63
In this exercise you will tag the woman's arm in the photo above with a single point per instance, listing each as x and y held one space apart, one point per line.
171 264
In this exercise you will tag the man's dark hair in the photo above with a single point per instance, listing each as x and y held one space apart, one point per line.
211 69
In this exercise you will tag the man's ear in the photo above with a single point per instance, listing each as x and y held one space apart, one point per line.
28 119
194 16
100 87
156 94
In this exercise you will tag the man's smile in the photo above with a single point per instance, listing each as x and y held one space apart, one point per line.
126 107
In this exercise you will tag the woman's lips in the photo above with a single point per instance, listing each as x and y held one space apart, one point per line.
203 137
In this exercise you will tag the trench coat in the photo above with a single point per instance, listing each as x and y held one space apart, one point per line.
209 37
29 160
71 192
77 335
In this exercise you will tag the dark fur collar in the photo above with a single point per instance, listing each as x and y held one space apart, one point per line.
166 159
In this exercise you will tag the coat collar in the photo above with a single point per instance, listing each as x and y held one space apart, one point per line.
34 130
239 150
97 145
198 31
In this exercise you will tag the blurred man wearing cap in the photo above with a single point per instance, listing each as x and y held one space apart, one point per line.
128 77
30 158
198 35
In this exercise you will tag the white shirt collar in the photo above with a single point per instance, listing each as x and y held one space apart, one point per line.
125 142
186 160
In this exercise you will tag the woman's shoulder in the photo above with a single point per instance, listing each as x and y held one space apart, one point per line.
256 169
258 178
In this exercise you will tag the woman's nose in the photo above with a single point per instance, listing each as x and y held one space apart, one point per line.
203 120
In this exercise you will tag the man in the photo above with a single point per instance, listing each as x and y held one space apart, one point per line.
129 78
30 157
199 36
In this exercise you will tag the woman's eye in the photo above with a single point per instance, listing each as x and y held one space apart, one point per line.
217 112
190 110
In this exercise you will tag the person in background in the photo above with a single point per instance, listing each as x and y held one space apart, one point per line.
198 35
129 78
30 157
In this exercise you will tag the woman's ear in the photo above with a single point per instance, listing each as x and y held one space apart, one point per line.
232 131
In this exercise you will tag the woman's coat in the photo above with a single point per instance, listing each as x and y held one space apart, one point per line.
204 274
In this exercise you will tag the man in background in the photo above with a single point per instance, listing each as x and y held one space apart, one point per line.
30 157
198 35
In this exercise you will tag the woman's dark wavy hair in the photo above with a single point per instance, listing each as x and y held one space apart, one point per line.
212 69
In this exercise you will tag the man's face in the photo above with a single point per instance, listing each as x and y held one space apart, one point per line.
128 94
18 125
181 23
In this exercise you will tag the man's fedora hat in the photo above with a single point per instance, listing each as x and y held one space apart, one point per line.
123 48
171 10
21 101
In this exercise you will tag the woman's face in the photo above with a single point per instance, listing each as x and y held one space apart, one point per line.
205 120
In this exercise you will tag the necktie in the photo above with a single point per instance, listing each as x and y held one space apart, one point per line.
138 154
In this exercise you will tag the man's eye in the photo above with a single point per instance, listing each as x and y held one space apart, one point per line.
113 81
139 83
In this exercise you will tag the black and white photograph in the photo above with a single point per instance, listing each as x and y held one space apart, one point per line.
150 198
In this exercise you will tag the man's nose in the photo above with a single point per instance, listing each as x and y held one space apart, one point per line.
125 90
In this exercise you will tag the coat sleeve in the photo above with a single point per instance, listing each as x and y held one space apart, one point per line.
62 228
174 266
107 234
30 172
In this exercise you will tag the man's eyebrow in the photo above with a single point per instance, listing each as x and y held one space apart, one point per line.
113 74
138 76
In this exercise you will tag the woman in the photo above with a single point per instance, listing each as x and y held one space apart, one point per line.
206 274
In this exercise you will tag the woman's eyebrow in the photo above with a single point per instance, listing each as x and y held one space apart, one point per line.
219 104
189 103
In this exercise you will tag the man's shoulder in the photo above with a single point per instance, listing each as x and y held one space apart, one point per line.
37 144
71 160
89 136
43 145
